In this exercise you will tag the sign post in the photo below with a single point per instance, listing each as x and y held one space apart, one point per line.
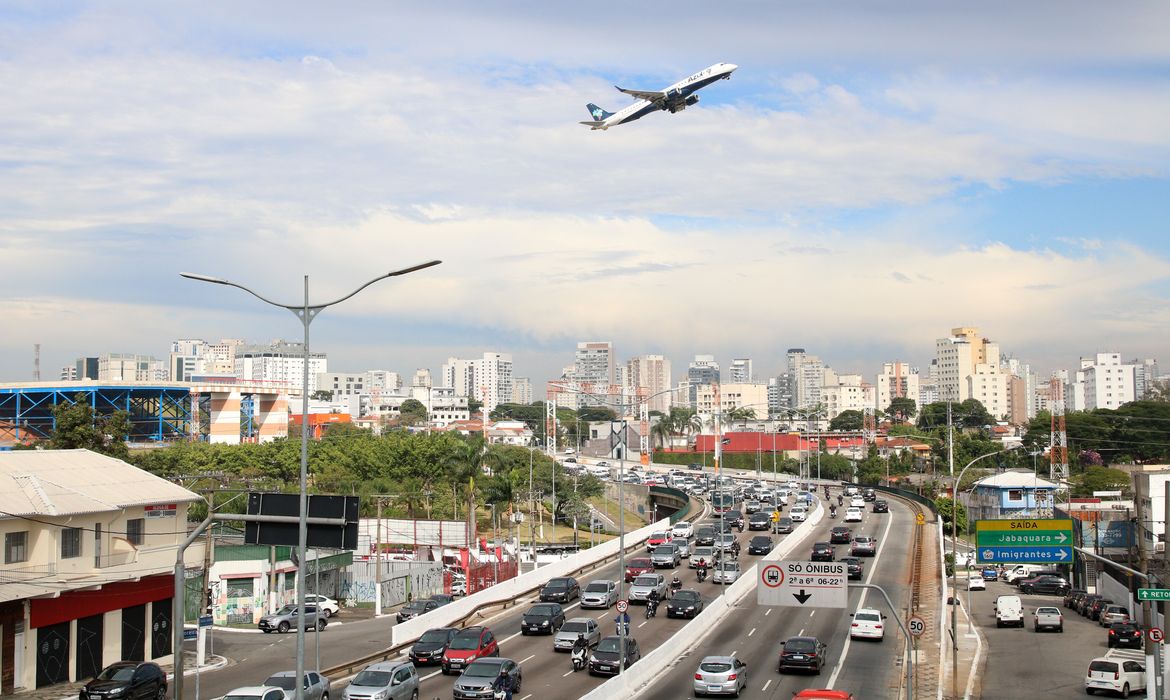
803 584
1024 541
1145 594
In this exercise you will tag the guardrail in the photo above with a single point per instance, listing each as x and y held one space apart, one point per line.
907 495
652 665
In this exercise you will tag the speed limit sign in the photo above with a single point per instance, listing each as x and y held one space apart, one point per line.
622 606
916 625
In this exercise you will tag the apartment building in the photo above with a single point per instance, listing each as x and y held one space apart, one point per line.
703 371
522 390
487 378
89 553
849 393
281 363
740 371
1105 381
896 380
650 375
731 396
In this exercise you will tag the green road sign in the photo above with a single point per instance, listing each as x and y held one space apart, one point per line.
1024 541
1006 538
1154 594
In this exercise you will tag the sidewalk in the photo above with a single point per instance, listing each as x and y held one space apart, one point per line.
971 657
68 691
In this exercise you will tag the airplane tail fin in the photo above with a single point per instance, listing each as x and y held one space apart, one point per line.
598 114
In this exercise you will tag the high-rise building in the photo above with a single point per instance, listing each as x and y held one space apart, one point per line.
731 396
1145 374
897 380
68 373
651 374
808 373
961 355
280 362
487 379
422 377
86 368
1104 381
522 390
740 371
121 367
703 370
847 393
595 363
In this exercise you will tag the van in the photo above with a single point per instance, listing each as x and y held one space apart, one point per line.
1009 611
1023 571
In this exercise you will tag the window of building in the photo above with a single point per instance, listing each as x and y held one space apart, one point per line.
134 531
70 542
16 547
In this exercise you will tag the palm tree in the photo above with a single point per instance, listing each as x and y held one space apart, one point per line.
663 430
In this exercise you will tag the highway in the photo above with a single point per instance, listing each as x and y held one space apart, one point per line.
755 634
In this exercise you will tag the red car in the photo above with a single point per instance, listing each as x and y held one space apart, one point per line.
822 694
656 539
637 567
469 644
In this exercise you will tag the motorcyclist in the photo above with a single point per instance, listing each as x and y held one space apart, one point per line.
580 649
676 582
740 525
622 619
735 548
832 511
840 500
652 603
503 684
701 570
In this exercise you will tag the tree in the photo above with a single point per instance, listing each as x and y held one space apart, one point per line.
1100 479
413 412
596 413
847 420
322 395
902 408
946 509
972 414
78 427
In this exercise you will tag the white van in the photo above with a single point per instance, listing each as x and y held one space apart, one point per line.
1009 611
1022 571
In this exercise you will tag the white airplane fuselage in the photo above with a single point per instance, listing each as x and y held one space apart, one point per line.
673 98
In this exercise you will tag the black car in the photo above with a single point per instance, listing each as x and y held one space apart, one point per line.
759 521
430 646
840 535
1086 601
415 608
1071 597
695 467
822 551
868 495
853 566
560 590
881 506
443 599
1045 585
542 618
606 656
802 654
684 603
732 518
1094 610
1125 634
760 544
127 679
705 536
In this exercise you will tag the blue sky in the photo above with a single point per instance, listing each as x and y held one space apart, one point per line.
874 174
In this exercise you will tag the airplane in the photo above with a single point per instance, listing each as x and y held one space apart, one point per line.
674 98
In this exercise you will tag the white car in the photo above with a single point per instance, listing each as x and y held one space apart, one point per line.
726 572
799 514
325 604
1115 675
976 583
599 594
852 515
857 502
683 529
867 624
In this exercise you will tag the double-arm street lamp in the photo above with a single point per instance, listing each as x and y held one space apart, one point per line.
306 312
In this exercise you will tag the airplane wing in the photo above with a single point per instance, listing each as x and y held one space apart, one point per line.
648 95
596 125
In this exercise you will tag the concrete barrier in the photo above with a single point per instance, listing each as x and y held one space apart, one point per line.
647 670
508 591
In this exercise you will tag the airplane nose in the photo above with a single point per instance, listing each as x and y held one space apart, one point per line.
730 67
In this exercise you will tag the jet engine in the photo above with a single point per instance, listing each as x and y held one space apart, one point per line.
692 100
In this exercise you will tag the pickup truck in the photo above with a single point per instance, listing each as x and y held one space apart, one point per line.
1048 618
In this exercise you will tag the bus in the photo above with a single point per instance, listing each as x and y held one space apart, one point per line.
722 501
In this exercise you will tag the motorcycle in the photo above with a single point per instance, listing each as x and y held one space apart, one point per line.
832 512
618 629
701 574
651 608
840 500
580 656
675 583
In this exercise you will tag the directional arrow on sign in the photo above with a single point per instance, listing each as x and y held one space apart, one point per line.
802 597
1061 554
1060 538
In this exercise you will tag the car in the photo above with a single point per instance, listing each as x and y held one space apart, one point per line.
478 679
316 685
469 644
725 542
822 694
857 502
760 544
683 545
989 573
390 680
732 518
255 692
686 602
868 495
599 594
759 521
608 655
682 529
1086 602
1009 610
705 535
853 567
751 506
542 618
864 546
1113 613
328 606
657 538
415 608
1045 584
881 506
695 467
666 555
707 555
1047 617
783 526
562 589
638 566
975 582
840 535
1115 675
1125 634
132 680
726 572
640 589
1097 607
867 624
430 646
822 551
1071 596
852 515
284 619
720 675
575 627
802 654
798 514
443 599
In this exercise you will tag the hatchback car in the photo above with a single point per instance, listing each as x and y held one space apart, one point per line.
685 603
1115 675
1125 634
726 572
542 618
608 654
867 624
576 627
1045 585
666 555
316 685
840 535
1113 613
975 582
822 551
864 546
480 676
599 594
562 589
127 679
707 555
1094 611
760 544
415 608
853 567
430 646
759 521
640 590
802 654
385 680
720 675
469 644
783 526
638 566
881 506
852 515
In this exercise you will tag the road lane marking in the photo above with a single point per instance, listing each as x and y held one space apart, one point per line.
752 632
768 612
430 675
532 656
508 639
814 612
569 673
765 688
801 633
643 624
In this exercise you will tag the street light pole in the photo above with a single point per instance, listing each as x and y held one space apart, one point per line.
306 312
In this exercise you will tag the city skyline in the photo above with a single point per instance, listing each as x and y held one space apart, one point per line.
865 181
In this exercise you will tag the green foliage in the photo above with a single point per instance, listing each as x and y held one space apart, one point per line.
847 420
1100 479
413 412
946 510
596 413
79 427
321 395
1129 434
968 414
902 409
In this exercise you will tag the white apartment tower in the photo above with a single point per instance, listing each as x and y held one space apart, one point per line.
280 362
897 380
522 390
1108 382
651 374
808 372
740 371
470 378
960 356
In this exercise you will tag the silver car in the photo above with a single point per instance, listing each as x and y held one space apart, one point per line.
644 583
704 554
599 594
684 547
574 627
665 555
726 572
385 680
724 542
720 675
316 685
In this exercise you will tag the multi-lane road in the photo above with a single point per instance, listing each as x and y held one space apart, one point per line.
752 633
